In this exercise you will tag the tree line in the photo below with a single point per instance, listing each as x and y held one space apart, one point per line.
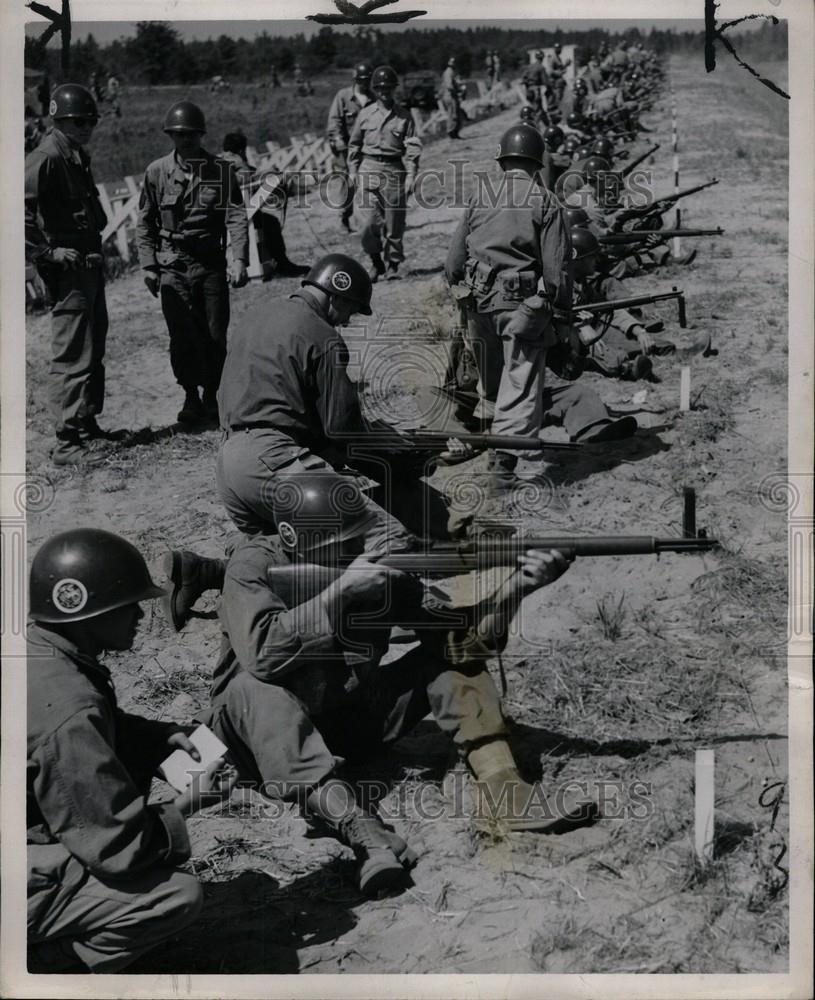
158 55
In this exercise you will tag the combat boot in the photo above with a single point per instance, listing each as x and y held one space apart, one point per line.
614 430
503 798
383 856
192 410
393 271
637 368
210 403
189 576
377 268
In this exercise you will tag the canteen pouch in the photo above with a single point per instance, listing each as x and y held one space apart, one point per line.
533 317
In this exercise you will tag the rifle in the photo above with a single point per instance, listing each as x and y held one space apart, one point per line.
623 239
662 204
640 159
301 581
421 440
638 300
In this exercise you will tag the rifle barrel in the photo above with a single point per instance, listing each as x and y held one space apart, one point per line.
634 300
451 558
635 163
421 440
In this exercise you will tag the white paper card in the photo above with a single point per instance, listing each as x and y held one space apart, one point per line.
179 767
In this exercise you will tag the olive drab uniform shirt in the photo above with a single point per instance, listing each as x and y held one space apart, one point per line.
88 772
62 207
385 134
342 114
289 374
189 211
505 244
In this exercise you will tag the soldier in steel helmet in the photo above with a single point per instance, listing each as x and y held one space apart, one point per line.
190 199
103 881
452 87
347 104
288 404
383 158
63 237
300 687
513 253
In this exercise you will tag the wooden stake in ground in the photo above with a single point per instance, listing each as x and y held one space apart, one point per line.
703 802
684 389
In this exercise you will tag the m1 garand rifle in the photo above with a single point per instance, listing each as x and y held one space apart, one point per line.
301 581
638 300
660 205
436 441
640 235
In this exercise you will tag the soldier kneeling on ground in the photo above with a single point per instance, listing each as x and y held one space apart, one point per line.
300 687
103 881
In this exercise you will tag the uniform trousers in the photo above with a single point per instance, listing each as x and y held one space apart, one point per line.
79 326
195 304
275 739
73 916
381 207
340 169
511 383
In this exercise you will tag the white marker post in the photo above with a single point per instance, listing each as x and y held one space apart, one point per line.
684 389
704 806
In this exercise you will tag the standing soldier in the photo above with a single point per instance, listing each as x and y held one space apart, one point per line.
342 114
514 254
451 86
535 80
558 72
496 65
63 226
490 67
188 202
384 151
113 95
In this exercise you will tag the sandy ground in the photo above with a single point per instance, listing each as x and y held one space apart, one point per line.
617 672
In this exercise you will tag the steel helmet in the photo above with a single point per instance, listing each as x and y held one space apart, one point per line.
572 143
595 165
85 572
184 116
584 243
528 113
313 510
557 46
603 147
575 216
574 120
71 100
339 274
385 77
363 71
580 86
553 136
523 141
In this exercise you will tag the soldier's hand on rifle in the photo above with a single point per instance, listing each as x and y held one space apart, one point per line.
410 183
240 276
538 567
152 282
653 240
457 451
66 257
363 581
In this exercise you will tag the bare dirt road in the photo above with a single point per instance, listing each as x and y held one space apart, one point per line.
618 672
